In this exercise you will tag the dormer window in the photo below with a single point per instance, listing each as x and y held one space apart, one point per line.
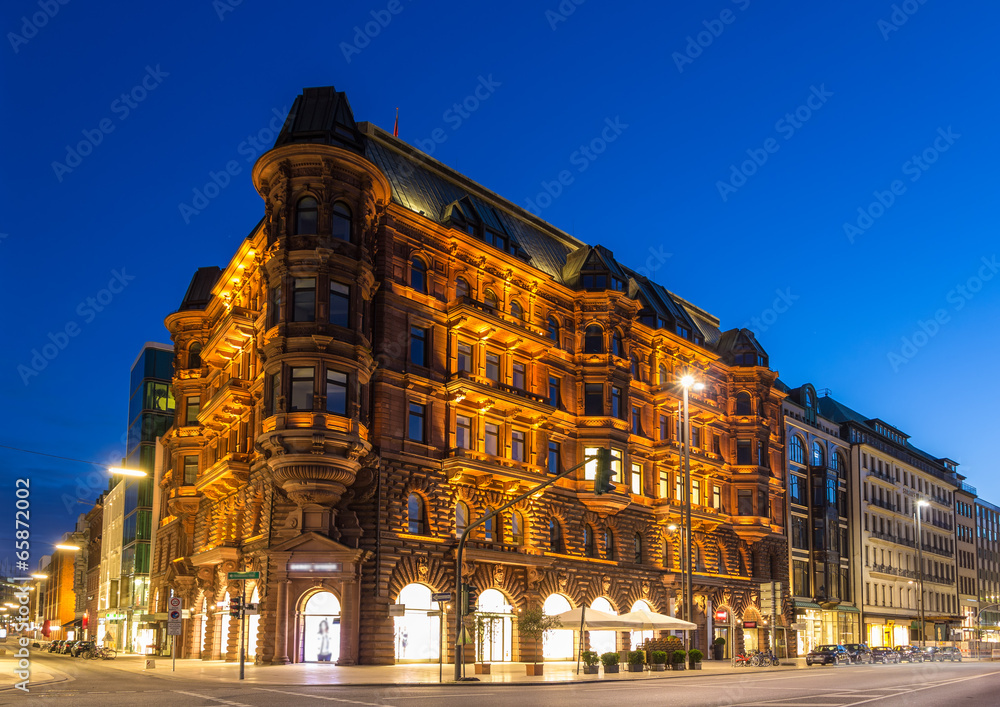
594 281
617 284
497 240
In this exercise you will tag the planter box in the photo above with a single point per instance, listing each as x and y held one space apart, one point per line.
678 666
611 668
482 669
717 652
657 666
694 666
591 669
534 668
635 667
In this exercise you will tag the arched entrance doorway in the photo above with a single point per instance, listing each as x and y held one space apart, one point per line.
638 637
557 645
319 626
497 640
752 634
253 624
603 641
417 635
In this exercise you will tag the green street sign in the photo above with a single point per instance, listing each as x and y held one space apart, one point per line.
243 575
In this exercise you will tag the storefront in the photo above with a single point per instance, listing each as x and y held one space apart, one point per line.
494 627
557 644
603 641
887 632
417 633
818 626
319 628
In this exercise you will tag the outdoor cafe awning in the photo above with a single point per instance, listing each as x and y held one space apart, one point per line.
633 621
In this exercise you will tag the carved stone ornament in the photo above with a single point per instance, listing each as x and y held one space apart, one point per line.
645 588
422 568
562 580
498 574
606 584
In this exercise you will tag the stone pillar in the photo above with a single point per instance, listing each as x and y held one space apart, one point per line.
211 629
281 632
350 621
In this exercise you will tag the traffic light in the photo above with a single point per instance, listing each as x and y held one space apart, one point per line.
234 608
602 479
469 596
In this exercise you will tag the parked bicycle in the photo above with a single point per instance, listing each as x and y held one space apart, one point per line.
102 652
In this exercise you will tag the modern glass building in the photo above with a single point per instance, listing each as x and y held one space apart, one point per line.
150 413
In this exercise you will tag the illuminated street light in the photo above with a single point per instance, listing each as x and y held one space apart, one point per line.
920 567
40 576
687 381
67 547
126 472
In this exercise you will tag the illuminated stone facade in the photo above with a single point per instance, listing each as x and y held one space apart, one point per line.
394 349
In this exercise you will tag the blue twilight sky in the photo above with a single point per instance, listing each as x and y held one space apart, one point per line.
747 134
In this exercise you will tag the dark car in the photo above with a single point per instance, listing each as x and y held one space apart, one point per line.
55 646
80 647
949 653
911 654
859 652
831 654
930 653
67 647
885 655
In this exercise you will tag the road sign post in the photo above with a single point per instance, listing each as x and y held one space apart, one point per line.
174 609
242 577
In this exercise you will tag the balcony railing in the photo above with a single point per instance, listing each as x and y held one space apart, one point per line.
889 506
490 383
899 540
937 550
944 525
880 475
896 571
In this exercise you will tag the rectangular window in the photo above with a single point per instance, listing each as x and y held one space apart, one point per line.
302 389
493 367
190 470
664 428
340 304
716 445
518 376
696 438
272 404
517 445
717 498
616 402
593 399
695 492
800 533
304 299
192 406
415 428
678 486
418 346
744 502
274 306
636 421
763 507
637 479
800 578
554 454
492 439
797 489
616 465
336 392
554 400
664 485
463 432
744 453
465 357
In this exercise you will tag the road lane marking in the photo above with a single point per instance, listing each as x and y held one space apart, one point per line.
205 697
940 683
441 695
323 697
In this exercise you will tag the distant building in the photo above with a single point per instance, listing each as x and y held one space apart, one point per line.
95 523
988 569
111 618
965 559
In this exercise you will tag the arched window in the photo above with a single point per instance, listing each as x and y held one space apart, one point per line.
555 536
635 368
516 311
461 287
553 329
637 548
617 347
743 404
796 450
461 518
490 299
342 221
588 542
517 528
663 375
194 355
818 454
305 215
418 275
593 339
609 545
415 514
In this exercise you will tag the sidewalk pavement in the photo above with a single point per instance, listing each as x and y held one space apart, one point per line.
407 674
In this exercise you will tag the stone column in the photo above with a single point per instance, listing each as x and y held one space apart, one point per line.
281 632
350 621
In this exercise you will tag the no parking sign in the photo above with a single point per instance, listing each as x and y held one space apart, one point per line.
174 616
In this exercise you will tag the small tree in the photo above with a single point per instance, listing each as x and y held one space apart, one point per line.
533 623
485 629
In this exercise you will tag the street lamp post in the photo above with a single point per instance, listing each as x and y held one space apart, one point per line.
687 381
920 568
683 538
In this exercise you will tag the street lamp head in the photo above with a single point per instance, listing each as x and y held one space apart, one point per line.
125 472
923 502
672 527
687 381
698 387
67 547
39 575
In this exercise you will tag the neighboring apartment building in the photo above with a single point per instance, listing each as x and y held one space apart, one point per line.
95 525
111 619
988 569
57 599
393 350
894 477
965 559
820 524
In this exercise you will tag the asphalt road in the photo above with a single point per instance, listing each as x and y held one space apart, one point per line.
939 684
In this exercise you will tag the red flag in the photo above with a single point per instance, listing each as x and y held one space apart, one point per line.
395 128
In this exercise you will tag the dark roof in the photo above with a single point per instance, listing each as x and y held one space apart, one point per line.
199 292
321 115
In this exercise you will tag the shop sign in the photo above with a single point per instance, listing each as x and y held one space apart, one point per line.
722 615
397 609
314 567
749 624
800 626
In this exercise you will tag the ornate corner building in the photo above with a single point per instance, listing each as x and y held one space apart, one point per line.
394 349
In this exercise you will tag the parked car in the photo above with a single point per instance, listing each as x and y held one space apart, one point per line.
67 647
911 654
79 647
859 652
951 653
54 646
885 655
930 653
831 654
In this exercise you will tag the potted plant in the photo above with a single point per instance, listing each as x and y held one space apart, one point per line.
636 661
533 622
485 628
694 659
590 662
610 662
719 648
657 660
678 660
